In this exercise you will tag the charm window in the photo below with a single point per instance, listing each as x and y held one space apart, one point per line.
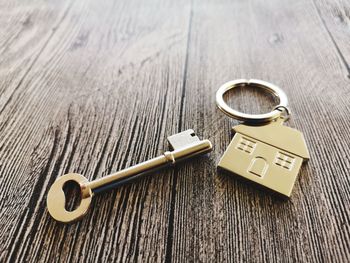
246 145
284 160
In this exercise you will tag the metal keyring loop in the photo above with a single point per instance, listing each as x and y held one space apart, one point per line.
252 118
285 112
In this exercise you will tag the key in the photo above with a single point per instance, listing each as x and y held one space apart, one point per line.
184 145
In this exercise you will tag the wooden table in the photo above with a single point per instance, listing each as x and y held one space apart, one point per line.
95 86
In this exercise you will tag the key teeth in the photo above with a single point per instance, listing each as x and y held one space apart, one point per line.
182 139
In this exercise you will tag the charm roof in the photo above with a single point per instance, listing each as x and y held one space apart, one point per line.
277 135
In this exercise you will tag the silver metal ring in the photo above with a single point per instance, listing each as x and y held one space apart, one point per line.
253 118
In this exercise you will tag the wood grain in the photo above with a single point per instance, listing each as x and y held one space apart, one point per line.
96 86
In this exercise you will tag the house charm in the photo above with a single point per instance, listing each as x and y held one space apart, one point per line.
270 155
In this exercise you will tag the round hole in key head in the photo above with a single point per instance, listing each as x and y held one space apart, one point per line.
56 199
73 195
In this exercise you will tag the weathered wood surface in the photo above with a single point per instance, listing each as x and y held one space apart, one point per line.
95 86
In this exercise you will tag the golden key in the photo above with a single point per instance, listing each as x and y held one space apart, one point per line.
184 144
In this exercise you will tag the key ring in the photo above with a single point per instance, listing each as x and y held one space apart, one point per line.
253 118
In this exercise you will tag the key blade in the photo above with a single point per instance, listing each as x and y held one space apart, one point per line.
183 139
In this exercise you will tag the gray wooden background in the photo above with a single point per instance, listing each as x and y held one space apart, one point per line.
95 86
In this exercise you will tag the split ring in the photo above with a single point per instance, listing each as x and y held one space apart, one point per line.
252 118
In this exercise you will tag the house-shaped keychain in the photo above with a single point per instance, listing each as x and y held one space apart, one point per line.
270 155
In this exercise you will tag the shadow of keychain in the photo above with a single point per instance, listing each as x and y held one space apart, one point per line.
267 153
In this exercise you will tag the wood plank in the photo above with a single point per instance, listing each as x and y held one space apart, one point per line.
335 17
25 31
102 94
219 218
